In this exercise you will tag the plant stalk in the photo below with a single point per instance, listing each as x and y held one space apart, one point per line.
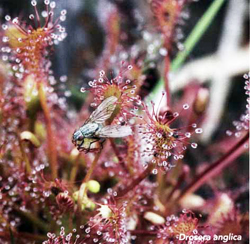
36 221
51 141
216 167
136 181
166 79
193 38
25 157
92 167
196 34
116 151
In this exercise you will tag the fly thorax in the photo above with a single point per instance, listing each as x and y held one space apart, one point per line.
89 129
77 134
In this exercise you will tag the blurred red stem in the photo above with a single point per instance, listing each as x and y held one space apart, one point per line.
121 161
136 181
216 167
180 180
92 167
25 157
74 169
50 135
34 219
32 237
166 80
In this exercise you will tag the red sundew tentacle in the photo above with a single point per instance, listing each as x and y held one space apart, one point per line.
46 2
176 115
37 14
166 79
32 18
159 105
55 25
48 18
20 28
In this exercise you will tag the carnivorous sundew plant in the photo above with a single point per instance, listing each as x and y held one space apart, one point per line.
124 122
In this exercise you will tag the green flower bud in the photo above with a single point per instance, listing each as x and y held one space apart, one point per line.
28 136
31 94
40 131
75 195
93 186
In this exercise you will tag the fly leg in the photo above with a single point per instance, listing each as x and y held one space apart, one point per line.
96 139
102 141
79 146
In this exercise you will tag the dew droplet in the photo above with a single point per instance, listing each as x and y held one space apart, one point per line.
63 78
83 89
194 145
87 230
245 76
52 4
102 73
7 18
194 125
4 27
198 130
64 12
33 3
163 51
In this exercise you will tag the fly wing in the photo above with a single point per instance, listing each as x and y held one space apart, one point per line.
114 131
103 111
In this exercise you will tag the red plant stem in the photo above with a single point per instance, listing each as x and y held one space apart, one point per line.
51 141
136 181
92 167
31 237
121 161
166 80
25 157
180 180
74 169
216 167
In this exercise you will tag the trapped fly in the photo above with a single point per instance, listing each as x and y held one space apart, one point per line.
94 129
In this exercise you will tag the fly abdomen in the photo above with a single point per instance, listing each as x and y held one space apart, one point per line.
89 129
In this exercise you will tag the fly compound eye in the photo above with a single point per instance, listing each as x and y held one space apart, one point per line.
80 138
77 136
74 137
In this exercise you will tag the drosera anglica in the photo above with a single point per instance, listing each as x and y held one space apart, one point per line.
161 141
123 89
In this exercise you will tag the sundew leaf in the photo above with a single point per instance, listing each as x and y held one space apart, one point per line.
191 41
